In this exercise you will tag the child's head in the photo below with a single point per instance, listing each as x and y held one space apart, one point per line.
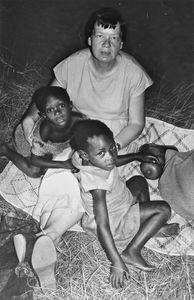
153 170
95 143
53 104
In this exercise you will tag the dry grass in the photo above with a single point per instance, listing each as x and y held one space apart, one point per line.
16 89
83 269
174 106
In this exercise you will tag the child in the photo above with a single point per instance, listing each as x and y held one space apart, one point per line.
176 178
119 213
50 135
153 170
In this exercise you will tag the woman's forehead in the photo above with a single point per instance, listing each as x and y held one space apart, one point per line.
100 28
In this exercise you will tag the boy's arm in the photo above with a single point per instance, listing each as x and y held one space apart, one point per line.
141 157
48 163
118 268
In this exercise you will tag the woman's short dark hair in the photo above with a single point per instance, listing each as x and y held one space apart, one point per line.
40 96
107 17
85 129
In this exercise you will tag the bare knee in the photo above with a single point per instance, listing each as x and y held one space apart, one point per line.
164 208
137 180
139 188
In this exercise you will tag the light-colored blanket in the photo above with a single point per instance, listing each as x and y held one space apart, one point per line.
23 192
162 133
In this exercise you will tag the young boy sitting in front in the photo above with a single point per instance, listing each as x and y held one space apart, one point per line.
119 213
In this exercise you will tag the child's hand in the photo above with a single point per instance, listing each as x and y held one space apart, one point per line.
118 274
148 158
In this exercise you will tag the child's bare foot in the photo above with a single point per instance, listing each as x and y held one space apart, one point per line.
168 230
134 258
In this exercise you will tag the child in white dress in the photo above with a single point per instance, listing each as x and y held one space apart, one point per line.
50 135
119 213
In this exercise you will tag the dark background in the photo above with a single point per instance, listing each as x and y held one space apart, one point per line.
160 33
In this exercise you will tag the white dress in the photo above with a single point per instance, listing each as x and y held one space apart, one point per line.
123 212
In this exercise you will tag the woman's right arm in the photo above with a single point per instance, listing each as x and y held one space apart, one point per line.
118 268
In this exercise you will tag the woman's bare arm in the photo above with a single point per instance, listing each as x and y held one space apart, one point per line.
136 122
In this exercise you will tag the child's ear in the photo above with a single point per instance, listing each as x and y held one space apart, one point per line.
83 155
71 104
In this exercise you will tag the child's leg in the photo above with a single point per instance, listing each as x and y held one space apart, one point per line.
59 205
138 186
23 163
59 221
153 215
140 191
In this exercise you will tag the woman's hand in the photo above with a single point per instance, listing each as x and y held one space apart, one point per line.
118 274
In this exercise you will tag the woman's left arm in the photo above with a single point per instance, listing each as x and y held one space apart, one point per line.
136 122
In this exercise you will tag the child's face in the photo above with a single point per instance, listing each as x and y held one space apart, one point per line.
57 112
102 152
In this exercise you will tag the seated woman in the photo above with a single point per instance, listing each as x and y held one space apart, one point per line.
103 81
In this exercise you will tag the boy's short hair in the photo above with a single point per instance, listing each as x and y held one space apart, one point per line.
40 96
85 129
107 17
